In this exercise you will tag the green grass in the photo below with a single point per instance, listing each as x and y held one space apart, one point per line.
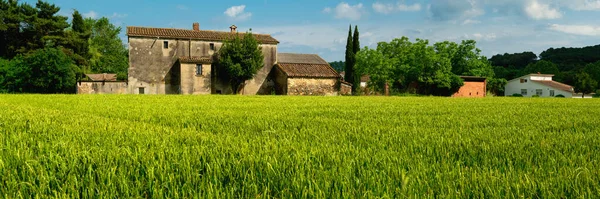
122 146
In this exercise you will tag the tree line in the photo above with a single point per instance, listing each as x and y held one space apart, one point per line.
41 52
435 69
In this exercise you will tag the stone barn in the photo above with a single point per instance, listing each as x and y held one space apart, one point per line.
473 87
305 74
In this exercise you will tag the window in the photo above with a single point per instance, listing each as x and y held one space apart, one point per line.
539 92
523 92
212 46
198 69
141 90
523 80
551 93
166 44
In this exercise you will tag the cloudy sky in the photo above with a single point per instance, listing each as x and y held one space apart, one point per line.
321 27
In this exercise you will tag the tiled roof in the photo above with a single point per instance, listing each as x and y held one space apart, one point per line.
292 58
305 65
102 77
556 85
206 35
198 60
308 70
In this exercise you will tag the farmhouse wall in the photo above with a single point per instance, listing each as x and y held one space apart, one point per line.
471 89
150 64
312 86
101 88
193 83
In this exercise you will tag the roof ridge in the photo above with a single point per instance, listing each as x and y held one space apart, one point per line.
218 31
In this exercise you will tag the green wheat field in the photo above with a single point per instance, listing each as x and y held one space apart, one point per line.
129 146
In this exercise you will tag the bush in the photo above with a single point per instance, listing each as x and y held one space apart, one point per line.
46 70
560 96
535 96
597 95
517 95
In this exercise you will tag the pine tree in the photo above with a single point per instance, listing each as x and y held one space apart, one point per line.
349 70
355 49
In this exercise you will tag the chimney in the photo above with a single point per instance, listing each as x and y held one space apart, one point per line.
233 29
197 26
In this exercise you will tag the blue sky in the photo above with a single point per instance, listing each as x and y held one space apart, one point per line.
321 27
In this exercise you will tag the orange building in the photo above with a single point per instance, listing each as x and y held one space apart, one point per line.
473 87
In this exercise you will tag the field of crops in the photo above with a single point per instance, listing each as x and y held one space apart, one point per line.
297 147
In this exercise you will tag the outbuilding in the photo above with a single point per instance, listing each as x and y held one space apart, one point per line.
473 87
305 74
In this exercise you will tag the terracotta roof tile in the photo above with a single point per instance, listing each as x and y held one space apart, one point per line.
292 58
206 35
308 70
102 77
305 65
556 85
193 59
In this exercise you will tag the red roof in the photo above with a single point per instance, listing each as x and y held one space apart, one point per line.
207 35
305 65
556 85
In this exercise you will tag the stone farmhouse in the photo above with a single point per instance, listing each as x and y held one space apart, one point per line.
180 61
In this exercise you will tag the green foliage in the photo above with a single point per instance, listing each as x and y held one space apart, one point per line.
339 66
596 95
496 86
593 70
350 62
572 58
514 61
585 84
74 146
46 70
535 96
106 50
559 96
239 59
543 67
517 95
405 64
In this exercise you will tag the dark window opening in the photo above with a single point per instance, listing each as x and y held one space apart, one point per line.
141 90
198 69
219 92
166 44
212 46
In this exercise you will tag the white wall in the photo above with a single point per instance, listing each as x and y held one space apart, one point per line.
515 86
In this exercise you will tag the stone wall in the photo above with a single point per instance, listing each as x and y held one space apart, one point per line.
471 89
191 83
150 64
345 89
101 87
312 86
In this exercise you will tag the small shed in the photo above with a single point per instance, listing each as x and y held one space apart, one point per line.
473 87
104 83
305 74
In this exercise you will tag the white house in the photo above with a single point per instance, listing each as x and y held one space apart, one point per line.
537 84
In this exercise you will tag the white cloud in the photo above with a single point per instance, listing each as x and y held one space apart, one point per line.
389 8
487 37
583 4
238 13
586 30
537 11
470 21
91 14
117 15
346 11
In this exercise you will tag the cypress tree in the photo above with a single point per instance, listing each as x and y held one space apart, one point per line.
349 68
355 49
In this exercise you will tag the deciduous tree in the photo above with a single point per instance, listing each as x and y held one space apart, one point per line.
585 84
239 60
